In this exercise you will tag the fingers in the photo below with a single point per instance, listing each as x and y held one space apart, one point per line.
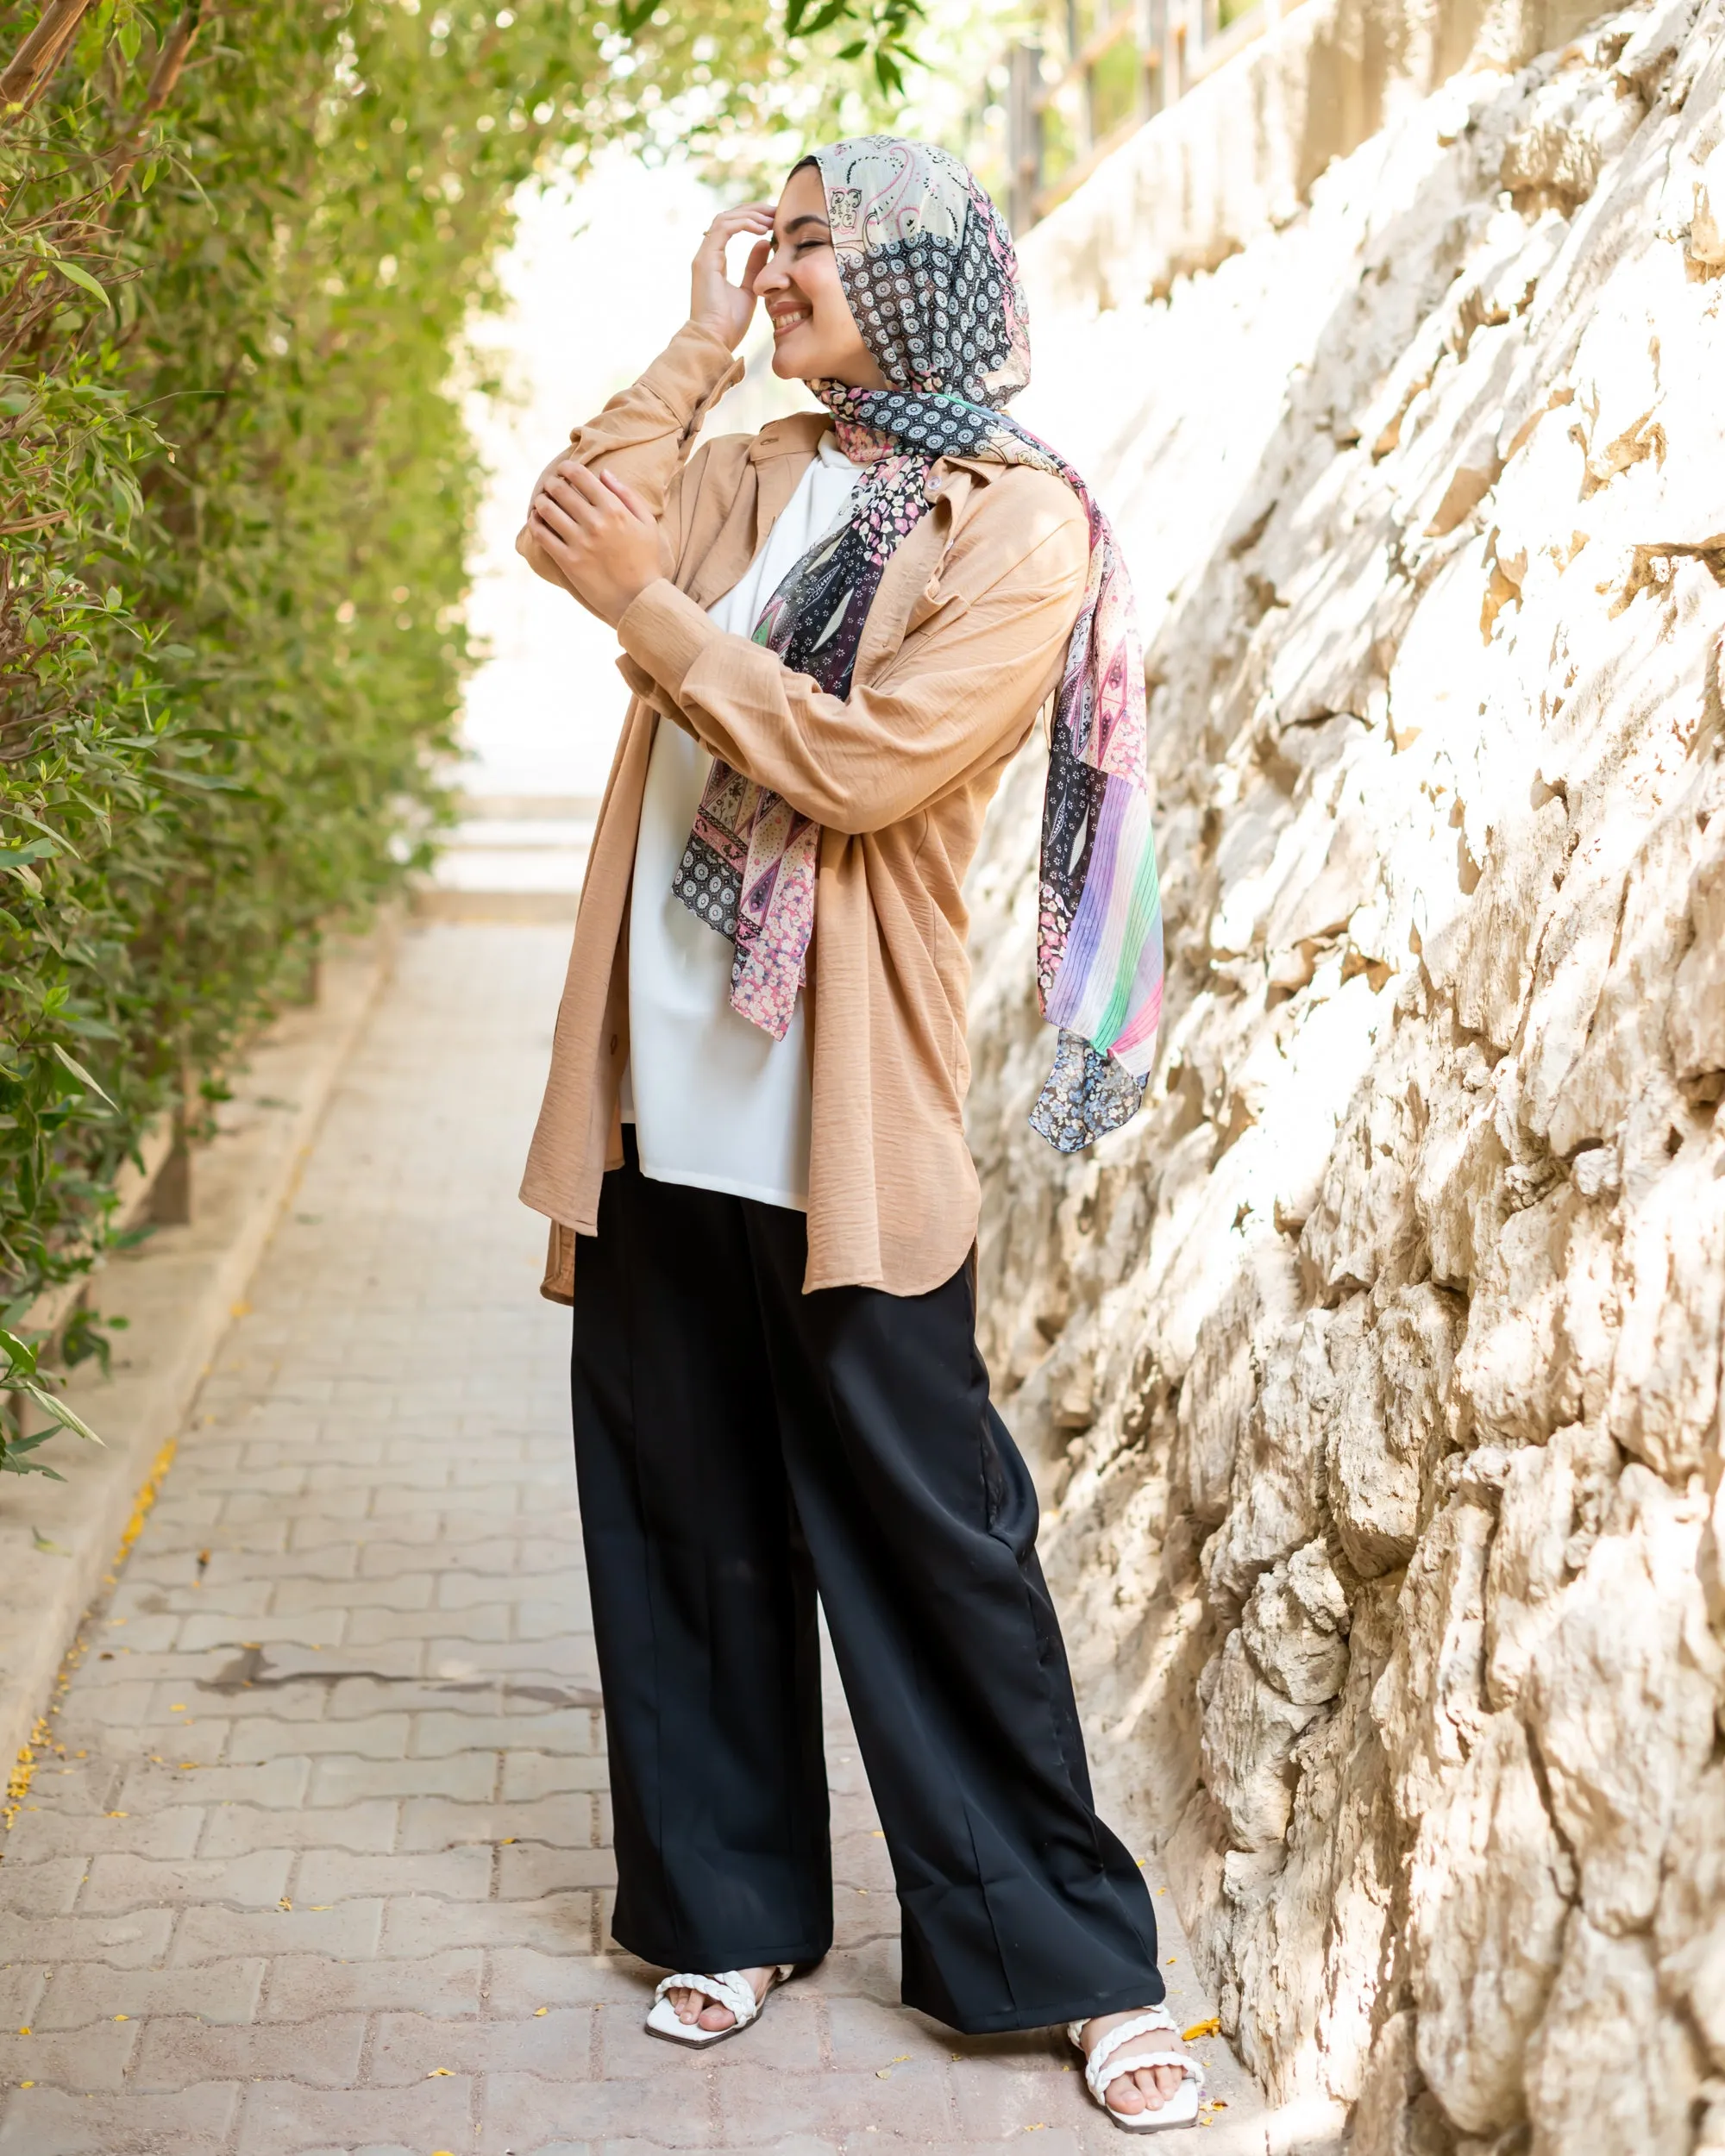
578 484
631 501
759 255
752 216
748 216
550 516
575 503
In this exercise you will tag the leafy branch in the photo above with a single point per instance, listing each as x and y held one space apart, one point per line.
19 1377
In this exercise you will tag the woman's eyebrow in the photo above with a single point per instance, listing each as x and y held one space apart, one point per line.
807 217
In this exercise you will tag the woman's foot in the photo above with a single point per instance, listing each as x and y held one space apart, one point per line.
696 2009
1147 2089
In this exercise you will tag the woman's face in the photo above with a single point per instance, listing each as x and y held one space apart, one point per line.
814 332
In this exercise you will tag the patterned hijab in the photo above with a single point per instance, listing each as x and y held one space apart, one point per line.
928 268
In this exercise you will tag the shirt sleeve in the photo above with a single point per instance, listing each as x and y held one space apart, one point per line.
644 434
950 701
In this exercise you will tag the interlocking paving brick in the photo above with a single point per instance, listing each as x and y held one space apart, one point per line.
82 1992
170 1833
276 1785
450 1982
179 2051
47 2121
237 1829
348 1930
338 1850
463 1776
256 1881
281 2119
559 2044
92 2058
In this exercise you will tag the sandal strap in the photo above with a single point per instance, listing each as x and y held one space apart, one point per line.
1105 2064
730 1988
1136 2062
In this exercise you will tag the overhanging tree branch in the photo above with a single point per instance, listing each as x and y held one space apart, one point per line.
164 81
27 73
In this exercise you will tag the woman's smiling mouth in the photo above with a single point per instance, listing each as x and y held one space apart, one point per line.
787 319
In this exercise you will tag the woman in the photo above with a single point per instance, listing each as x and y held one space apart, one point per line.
751 1148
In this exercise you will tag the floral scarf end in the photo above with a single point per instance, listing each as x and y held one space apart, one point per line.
1088 1094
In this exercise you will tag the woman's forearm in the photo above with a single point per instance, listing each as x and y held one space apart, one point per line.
645 433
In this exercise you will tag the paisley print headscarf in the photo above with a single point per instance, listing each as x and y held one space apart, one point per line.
928 268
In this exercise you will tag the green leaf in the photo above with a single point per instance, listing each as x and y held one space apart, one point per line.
79 1071
67 1417
20 1356
24 816
81 277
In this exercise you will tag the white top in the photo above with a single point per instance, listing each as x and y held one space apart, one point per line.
716 1102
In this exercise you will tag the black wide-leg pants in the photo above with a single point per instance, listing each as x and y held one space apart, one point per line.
741 1448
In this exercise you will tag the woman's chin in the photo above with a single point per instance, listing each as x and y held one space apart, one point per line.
799 358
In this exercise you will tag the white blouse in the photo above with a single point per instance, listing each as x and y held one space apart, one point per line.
716 1102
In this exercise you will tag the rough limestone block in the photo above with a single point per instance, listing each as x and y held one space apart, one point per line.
1622 1696
1392 1423
1690 1929
1490 1894
1609 2070
1250 1732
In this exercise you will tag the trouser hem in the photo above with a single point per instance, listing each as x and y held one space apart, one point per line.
1151 1992
710 1964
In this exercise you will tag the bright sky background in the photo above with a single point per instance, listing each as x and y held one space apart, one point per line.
597 281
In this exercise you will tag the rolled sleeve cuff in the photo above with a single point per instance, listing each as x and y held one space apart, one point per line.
688 377
665 632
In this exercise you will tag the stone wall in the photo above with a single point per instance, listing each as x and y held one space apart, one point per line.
1373 1375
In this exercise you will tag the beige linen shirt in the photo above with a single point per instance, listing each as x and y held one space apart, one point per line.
964 642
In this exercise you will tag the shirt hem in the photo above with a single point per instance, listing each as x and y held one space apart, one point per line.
723 1186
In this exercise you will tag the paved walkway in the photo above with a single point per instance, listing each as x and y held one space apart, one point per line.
323 1866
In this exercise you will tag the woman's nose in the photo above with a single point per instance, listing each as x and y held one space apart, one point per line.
770 277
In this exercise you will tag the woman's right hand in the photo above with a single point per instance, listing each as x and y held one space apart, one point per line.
715 303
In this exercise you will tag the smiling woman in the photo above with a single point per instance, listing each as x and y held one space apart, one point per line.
838 632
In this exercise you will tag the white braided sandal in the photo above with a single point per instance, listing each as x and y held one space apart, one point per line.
730 1988
1120 2053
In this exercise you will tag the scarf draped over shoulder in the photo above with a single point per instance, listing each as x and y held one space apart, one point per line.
928 266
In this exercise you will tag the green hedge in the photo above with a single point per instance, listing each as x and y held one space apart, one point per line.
235 497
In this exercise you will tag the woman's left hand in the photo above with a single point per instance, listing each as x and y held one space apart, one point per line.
599 534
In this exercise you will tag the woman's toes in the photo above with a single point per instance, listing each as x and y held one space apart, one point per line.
715 2017
1124 2095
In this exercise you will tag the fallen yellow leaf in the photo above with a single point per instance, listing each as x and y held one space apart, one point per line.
443 2072
116 1815
122 2017
1212 2027
540 2010
27 2085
